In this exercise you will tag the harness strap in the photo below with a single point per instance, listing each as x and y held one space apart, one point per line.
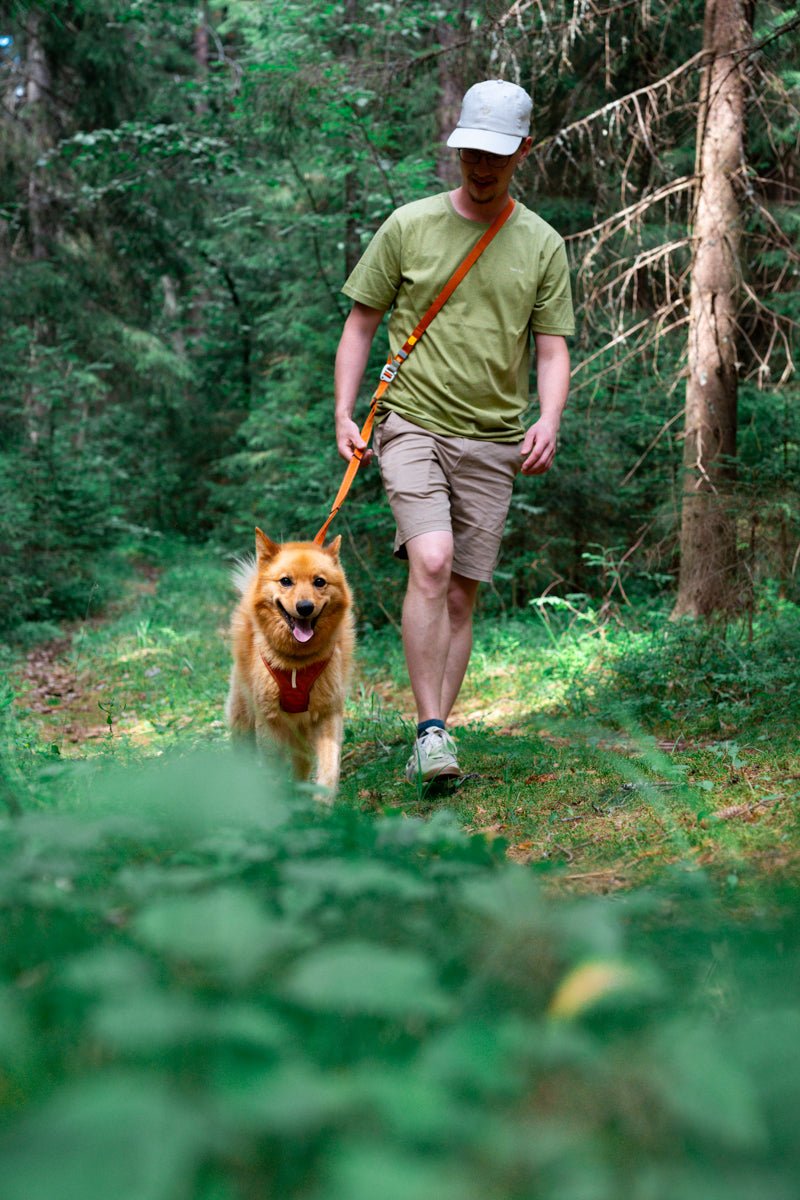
294 687
395 361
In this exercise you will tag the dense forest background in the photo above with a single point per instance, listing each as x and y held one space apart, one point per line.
184 187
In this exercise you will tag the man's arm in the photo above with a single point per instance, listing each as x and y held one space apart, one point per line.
552 383
351 360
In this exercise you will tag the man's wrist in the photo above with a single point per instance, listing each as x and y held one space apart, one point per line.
552 421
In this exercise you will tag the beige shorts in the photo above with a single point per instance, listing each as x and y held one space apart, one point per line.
453 484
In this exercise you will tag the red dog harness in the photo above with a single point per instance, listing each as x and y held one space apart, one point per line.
294 687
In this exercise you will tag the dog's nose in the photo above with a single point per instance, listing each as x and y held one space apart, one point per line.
305 608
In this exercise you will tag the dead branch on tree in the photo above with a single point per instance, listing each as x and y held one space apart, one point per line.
611 112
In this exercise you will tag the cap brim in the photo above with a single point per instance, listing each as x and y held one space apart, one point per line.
484 139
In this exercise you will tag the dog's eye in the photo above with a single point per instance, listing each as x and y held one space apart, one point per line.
319 582
285 581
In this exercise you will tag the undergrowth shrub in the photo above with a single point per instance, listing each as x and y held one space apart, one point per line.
708 677
213 989
58 527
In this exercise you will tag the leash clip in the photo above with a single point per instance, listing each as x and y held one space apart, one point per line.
389 371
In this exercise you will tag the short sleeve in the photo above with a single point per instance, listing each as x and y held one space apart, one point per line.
552 312
377 276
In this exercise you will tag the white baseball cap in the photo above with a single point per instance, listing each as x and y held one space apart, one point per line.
495 116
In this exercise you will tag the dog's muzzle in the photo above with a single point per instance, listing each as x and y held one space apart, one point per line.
301 626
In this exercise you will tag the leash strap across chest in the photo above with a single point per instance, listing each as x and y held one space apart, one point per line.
294 687
396 361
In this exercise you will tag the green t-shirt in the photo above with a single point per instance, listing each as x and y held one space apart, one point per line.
468 376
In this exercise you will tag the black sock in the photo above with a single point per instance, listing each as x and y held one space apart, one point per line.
424 726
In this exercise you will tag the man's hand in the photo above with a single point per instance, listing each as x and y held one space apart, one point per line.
351 359
552 379
539 447
348 439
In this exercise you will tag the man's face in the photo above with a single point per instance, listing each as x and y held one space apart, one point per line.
487 179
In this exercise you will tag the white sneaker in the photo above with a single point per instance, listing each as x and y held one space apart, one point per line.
434 757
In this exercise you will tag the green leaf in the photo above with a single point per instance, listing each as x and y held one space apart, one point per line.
296 1100
482 1058
361 977
225 931
153 1022
358 1167
415 1108
707 1090
107 970
350 878
510 897
129 1137
200 796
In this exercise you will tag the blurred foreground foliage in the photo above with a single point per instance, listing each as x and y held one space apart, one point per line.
213 989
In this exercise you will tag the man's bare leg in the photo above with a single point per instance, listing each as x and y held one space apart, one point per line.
426 620
460 603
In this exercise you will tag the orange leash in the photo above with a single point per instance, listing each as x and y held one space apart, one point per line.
395 361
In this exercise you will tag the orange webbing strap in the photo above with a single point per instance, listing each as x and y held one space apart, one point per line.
396 361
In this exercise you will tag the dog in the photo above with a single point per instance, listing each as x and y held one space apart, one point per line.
293 641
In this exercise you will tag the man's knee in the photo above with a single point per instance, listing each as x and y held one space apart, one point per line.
430 559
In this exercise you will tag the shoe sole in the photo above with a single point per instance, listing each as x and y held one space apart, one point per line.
432 776
442 785
445 773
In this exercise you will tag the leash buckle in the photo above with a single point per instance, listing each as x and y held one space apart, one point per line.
389 371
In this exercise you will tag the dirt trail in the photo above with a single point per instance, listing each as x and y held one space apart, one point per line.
52 690
57 692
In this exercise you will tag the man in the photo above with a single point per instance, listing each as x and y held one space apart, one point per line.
451 438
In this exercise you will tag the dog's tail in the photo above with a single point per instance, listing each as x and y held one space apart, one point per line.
243 571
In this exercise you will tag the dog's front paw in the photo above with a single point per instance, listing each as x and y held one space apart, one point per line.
325 790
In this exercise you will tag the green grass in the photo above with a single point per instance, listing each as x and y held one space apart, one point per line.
600 753
148 674
605 753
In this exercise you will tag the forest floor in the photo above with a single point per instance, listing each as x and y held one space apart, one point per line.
212 986
596 752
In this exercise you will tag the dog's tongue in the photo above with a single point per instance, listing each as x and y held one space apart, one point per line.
302 631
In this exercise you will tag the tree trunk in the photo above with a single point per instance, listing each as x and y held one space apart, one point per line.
201 56
709 580
40 124
37 113
353 187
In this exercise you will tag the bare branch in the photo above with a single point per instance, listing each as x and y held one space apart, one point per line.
626 334
777 325
652 445
786 242
614 106
644 259
623 218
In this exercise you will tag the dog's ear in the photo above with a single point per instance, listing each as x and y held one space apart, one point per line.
333 547
265 549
